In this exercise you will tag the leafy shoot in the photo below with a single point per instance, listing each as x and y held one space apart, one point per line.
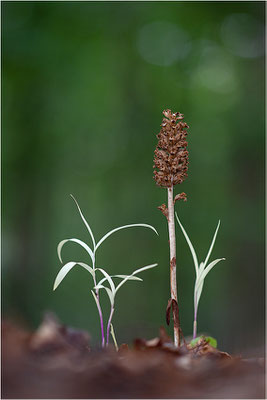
202 270
91 252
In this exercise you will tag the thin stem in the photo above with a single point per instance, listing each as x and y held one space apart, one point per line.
172 240
109 323
114 337
99 309
195 329
195 323
101 319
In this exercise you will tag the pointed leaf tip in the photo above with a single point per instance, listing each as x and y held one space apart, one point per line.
212 244
65 270
84 221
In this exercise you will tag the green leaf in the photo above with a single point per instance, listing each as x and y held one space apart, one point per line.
189 244
111 294
122 227
84 220
201 268
108 277
212 244
194 341
65 270
210 266
212 342
198 290
202 275
130 277
80 242
137 271
134 273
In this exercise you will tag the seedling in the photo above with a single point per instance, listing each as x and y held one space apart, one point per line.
112 289
210 340
171 165
202 271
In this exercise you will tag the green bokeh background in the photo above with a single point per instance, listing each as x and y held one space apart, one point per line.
83 88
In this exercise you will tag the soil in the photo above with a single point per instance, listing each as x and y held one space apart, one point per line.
57 362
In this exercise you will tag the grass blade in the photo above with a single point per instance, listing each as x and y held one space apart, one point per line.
189 244
108 277
94 296
129 277
65 270
122 227
210 266
212 244
144 268
111 295
199 282
87 267
84 220
201 268
62 273
132 278
80 242
199 291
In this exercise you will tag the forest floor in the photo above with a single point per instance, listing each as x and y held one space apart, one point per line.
57 362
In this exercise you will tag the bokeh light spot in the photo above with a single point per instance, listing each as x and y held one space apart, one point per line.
163 43
243 35
215 71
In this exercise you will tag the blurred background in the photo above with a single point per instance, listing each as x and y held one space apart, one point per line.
83 89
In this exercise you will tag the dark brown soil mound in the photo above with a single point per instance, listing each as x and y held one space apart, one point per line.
57 362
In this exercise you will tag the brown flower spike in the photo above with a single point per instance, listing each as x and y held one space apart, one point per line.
170 168
171 156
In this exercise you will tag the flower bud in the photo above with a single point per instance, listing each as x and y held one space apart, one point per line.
171 155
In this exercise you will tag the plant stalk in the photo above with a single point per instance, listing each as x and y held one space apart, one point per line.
172 240
109 322
195 323
114 337
195 329
101 319
99 310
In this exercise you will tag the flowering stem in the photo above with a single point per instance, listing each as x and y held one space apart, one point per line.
173 284
109 322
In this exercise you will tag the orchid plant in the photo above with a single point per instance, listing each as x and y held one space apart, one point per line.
202 271
111 289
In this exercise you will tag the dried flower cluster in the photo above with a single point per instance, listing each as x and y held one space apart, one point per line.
171 156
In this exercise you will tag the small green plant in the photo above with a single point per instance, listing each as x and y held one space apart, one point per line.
202 271
98 285
210 340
